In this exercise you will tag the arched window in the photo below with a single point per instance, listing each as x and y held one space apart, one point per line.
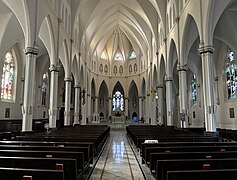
7 77
118 56
231 75
194 90
121 69
106 69
115 70
135 67
44 89
130 69
133 55
104 55
101 68
118 101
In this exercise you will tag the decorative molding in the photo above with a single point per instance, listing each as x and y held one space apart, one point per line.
32 50
168 78
69 79
159 86
182 67
54 68
205 49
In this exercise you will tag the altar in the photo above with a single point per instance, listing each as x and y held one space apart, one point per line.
118 116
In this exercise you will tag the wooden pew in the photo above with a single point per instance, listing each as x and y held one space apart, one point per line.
189 155
177 144
150 150
163 166
229 174
60 144
69 165
37 174
50 154
84 150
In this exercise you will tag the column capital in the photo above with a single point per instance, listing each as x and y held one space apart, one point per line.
168 78
31 50
182 67
77 86
69 79
205 49
54 68
159 85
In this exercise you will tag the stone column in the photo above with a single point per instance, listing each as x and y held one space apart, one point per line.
217 91
208 91
126 106
96 105
140 107
29 87
160 104
182 69
68 83
77 104
54 69
168 81
110 107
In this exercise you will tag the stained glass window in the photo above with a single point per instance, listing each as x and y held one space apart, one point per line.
104 55
7 77
118 56
44 88
118 101
133 55
194 90
231 75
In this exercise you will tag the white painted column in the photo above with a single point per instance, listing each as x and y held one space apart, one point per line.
83 107
168 81
29 88
140 107
88 107
77 104
126 106
96 105
110 107
54 69
217 91
67 114
160 104
148 107
182 69
208 91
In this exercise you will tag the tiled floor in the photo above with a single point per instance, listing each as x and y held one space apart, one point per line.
117 161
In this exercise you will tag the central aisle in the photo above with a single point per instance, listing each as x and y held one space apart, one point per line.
117 161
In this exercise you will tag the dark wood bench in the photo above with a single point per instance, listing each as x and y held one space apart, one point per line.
177 144
84 150
60 144
150 150
49 154
229 174
163 166
189 155
69 165
37 174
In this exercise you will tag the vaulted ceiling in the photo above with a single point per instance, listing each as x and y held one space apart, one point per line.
138 21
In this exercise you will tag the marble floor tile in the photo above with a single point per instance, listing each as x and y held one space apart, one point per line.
117 161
